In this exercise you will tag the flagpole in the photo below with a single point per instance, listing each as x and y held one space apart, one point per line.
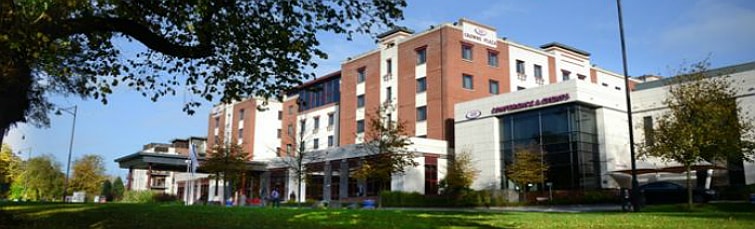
186 184
191 180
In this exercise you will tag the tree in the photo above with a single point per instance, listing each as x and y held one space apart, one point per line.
107 190
231 49
227 163
88 174
42 179
385 143
297 160
528 167
10 167
460 174
703 123
118 189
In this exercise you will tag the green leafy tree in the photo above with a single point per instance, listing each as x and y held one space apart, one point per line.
118 189
107 190
703 123
385 143
88 175
528 167
460 174
231 49
228 163
10 167
42 179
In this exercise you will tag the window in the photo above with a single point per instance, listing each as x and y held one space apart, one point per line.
280 115
330 140
317 122
421 85
493 87
360 101
331 119
217 122
538 71
519 88
288 149
467 82
241 133
421 113
290 109
316 143
303 123
647 122
277 150
241 115
519 67
565 75
493 58
421 55
466 51
326 92
388 66
290 130
617 88
388 94
604 84
279 133
581 77
360 126
360 75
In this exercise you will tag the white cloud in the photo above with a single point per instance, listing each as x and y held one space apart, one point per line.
711 26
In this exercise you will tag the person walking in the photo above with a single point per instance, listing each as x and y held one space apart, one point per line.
275 195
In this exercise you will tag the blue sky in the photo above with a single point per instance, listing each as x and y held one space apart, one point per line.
661 35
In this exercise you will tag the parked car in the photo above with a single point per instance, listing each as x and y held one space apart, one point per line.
664 192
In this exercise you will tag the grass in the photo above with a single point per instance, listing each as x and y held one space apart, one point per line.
119 215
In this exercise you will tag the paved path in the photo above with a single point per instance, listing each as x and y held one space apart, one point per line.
556 208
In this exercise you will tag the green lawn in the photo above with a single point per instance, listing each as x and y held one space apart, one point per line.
116 215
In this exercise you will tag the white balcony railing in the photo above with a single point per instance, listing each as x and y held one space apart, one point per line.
521 76
387 77
539 80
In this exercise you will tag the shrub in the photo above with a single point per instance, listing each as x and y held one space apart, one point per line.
146 196
736 192
469 198
137 197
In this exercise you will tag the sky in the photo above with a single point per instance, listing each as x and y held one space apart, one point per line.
661 36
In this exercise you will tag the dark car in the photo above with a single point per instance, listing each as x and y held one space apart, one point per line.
666 192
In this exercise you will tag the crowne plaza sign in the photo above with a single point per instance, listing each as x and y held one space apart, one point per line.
478 34
531 103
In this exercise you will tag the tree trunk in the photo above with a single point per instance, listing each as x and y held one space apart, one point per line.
217 183
15 86
689 187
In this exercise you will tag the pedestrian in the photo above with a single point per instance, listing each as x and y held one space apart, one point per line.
275 195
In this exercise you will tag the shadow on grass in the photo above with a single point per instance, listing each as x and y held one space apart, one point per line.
115 215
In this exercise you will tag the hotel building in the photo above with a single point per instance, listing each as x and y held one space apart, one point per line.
457 87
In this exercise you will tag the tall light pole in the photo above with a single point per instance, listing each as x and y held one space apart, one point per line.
72 111
635 185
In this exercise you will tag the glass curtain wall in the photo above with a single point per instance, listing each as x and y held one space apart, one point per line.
566 135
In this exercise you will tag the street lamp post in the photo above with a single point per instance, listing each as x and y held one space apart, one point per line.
635 185
72 111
